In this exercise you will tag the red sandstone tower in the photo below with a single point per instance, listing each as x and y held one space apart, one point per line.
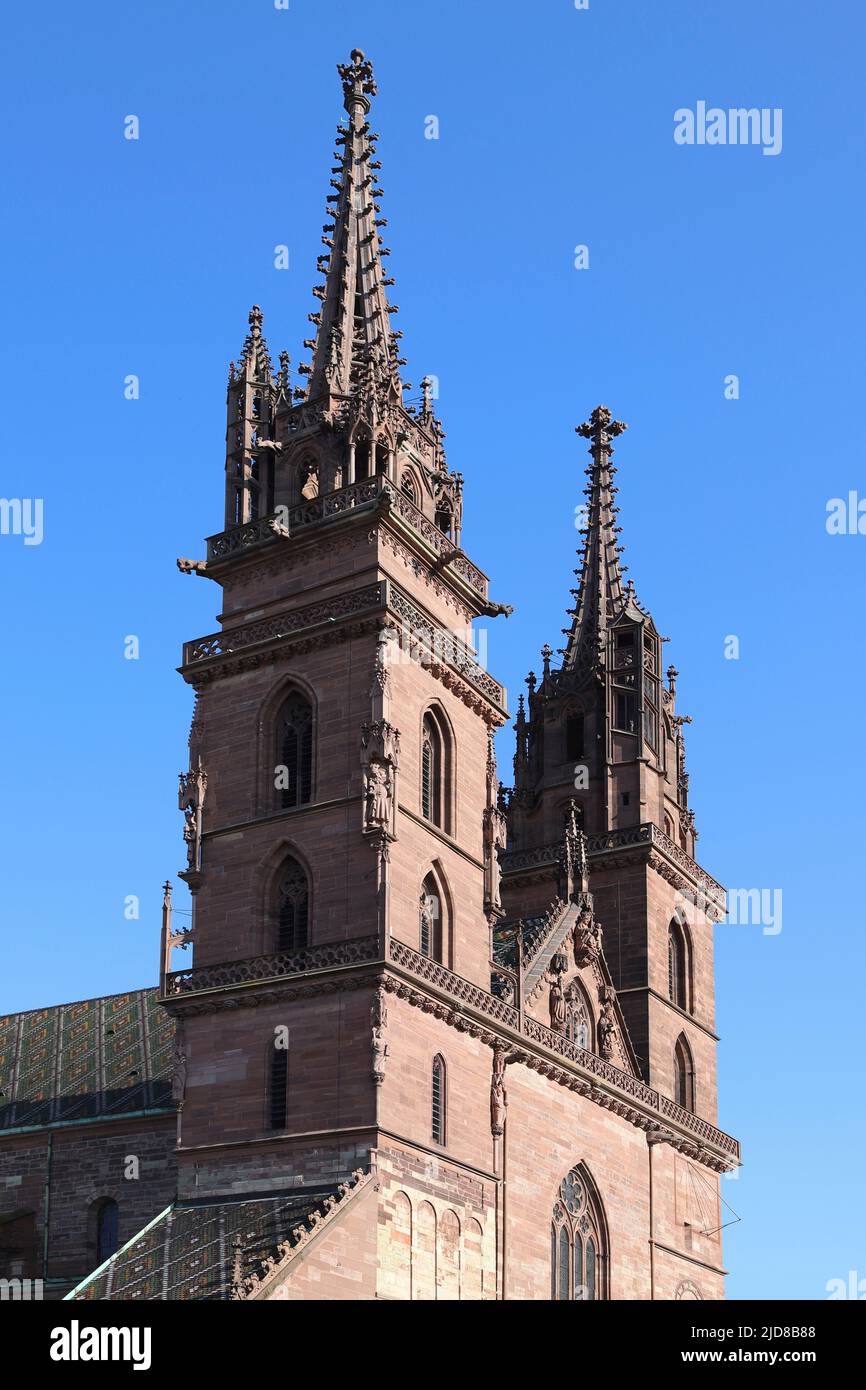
439 1039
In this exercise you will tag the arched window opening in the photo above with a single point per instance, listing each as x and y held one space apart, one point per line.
107 1230
430 920
295 751
407 487
308 479
577 1250
438 1100
362 459
677 966
684 1074
444 516
431 771
382 452
292 907
278 1087
578 1025
669 827
574 737
257 406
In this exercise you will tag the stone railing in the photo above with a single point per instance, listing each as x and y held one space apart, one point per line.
439 645
453 985
597 1066
225 974
265 529
278 625
611 842
438 541
702 1128
255 533
464 992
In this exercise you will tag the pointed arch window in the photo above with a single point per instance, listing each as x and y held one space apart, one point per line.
436 770
292 907
579 1022
407 487
362 459
431 771
684 1074
430 920
577 1244
438 1100
444 516
678 966
294 752
107 1229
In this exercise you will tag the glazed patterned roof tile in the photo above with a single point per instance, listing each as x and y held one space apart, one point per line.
94 1058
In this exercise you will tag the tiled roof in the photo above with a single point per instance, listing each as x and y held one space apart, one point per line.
99 1057
187 1253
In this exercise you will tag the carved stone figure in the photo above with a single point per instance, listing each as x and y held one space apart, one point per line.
178 1072
606 1030
378 794
557 1002
498 1093
586 936
379 1020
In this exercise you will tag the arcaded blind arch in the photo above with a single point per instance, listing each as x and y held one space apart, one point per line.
294 750
578 1248
291 906
684 1074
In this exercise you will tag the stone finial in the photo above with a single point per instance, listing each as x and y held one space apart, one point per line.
358 81
600 429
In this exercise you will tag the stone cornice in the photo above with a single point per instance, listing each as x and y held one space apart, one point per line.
278 636
614 848
468 1008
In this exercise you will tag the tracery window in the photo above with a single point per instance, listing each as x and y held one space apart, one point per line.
407 487
292 907
578 1025
294 751
431 771
578 1256
430 920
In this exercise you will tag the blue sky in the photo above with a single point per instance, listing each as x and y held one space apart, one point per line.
556 130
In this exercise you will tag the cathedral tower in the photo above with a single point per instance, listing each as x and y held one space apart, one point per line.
460 1037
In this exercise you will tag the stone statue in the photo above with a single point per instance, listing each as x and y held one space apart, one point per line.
606 1030
378 795
498 1093
558 1008
178 1073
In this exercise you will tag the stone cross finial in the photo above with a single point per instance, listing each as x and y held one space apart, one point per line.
546 654
600 429
426 395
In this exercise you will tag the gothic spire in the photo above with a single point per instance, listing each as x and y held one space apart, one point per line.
601 594
255 360
354 347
